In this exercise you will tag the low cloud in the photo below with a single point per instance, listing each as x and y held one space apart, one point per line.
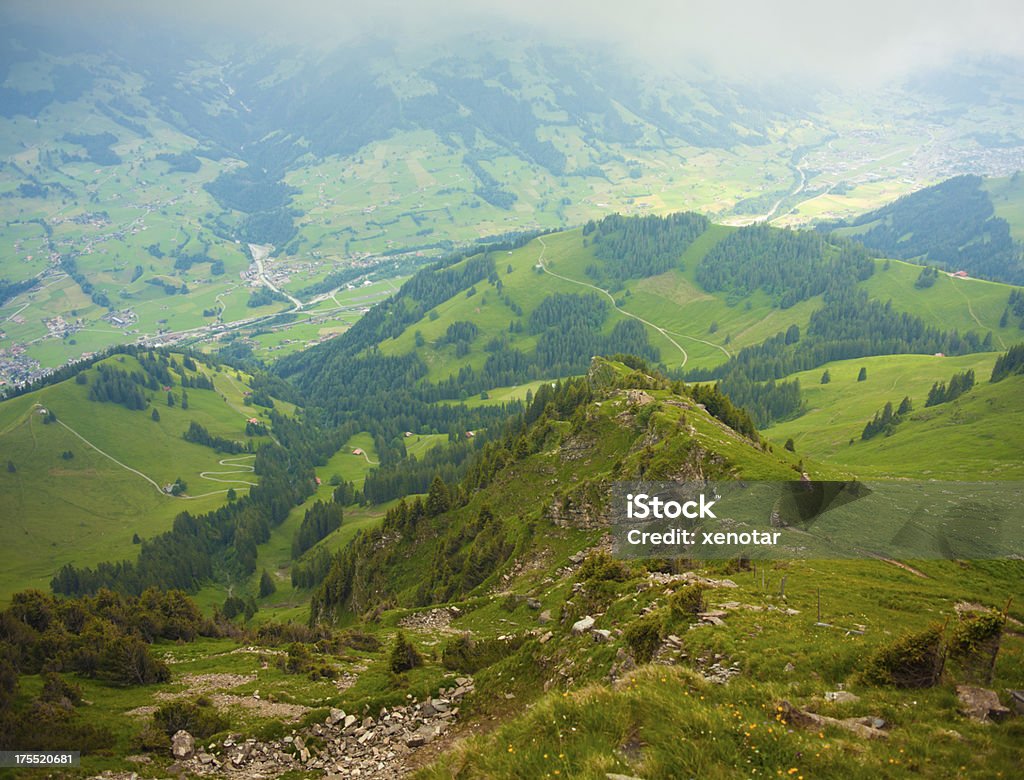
857 43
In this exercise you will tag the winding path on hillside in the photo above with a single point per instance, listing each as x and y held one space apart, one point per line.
371 462
240 468
662 331
970 309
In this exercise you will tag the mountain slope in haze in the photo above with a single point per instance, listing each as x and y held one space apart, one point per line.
163 186
953 225
484 322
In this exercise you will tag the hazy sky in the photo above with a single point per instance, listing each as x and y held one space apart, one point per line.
861 41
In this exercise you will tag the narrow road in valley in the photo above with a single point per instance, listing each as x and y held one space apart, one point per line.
726 352
261 253
662 331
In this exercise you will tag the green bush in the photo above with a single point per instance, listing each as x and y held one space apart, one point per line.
56 688
686 602
199 718
600 566
643 637
359 640
151 738
974 644
300 660
404 655
912 661
468 655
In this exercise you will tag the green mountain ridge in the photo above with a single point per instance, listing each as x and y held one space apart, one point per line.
591 665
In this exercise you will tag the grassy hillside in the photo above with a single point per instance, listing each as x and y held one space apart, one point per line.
964 304
86 508
977 436
692 328
1007 196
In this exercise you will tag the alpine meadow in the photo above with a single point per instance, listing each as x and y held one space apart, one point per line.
452 391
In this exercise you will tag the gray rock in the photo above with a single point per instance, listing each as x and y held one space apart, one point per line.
205 758
533 604
981 704
335 717
583 625
842 697
182 745
602 635
1017 700
545 616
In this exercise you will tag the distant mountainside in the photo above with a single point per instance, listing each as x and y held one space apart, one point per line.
954 225
748 306
159 185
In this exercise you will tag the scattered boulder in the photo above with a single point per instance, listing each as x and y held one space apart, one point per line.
583 625
981 704
183 745
336 716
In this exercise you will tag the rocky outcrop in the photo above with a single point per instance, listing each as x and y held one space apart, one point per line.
344 745
580 509
868 727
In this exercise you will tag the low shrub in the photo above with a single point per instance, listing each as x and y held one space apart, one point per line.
913 661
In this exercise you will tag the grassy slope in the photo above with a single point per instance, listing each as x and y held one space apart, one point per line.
86 509
978 436
963 304
1007 196
673 301
667 721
